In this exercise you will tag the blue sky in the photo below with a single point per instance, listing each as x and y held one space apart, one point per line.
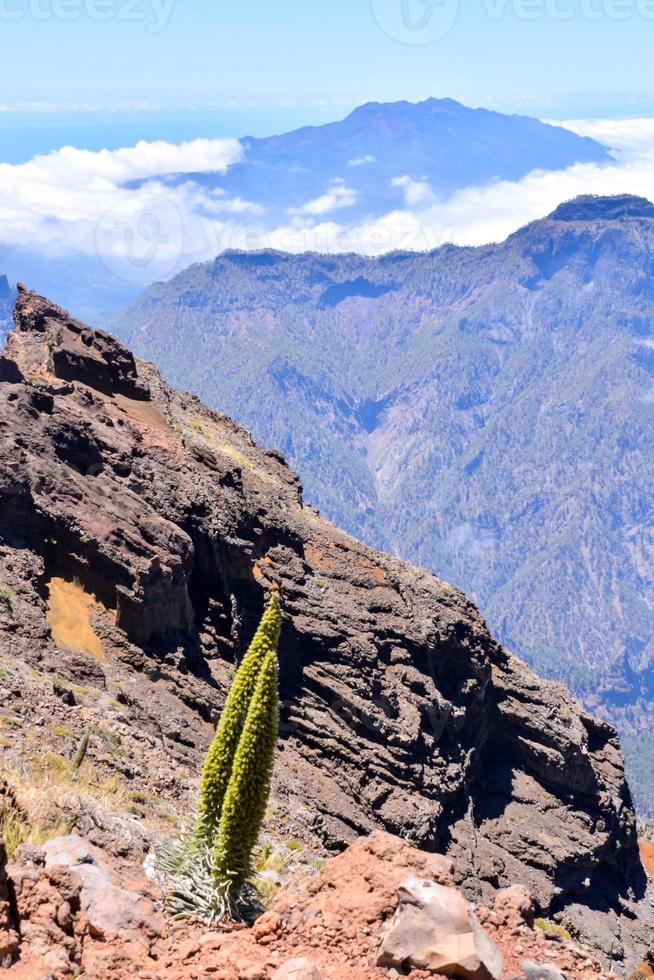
545 57
98 77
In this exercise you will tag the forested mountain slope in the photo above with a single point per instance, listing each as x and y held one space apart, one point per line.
486 412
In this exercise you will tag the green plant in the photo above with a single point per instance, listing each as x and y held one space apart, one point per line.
80 754
6 599
246 798
17 830
111 739
209 866
139 796
552 929
219 763
269 866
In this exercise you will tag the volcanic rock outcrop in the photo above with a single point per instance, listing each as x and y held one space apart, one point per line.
138 534
79 916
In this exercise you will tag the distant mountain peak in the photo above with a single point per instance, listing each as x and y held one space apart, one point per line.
431 104
592 207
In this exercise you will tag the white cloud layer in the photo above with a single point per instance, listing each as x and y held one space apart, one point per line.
417 193
338 195
361 161
76 201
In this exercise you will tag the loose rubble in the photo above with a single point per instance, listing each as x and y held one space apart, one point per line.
347 922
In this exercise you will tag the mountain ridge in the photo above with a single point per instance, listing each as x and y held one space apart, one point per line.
377 145
167 523
351 169
439 419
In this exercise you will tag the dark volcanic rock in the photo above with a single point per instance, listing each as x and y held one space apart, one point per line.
400 710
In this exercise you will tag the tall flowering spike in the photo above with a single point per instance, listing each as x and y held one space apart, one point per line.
219 762
245 802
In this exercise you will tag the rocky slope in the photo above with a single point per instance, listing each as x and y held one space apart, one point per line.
138 533
382 909
487 413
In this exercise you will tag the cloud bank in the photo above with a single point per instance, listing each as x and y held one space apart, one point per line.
117 205
337 196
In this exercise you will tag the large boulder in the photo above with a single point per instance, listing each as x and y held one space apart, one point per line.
73 912
435 929
111 911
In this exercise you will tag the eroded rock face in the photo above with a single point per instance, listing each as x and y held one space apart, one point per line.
75 915
399 709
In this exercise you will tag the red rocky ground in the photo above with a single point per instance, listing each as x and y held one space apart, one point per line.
89 918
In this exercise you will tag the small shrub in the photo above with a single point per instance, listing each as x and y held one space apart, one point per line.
269 866
80 754
60 731
139 796
6 600
17 830
111 739
552 929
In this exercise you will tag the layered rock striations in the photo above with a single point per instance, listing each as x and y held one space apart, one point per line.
131 512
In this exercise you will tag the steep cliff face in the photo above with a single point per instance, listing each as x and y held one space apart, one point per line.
138 533
489 413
